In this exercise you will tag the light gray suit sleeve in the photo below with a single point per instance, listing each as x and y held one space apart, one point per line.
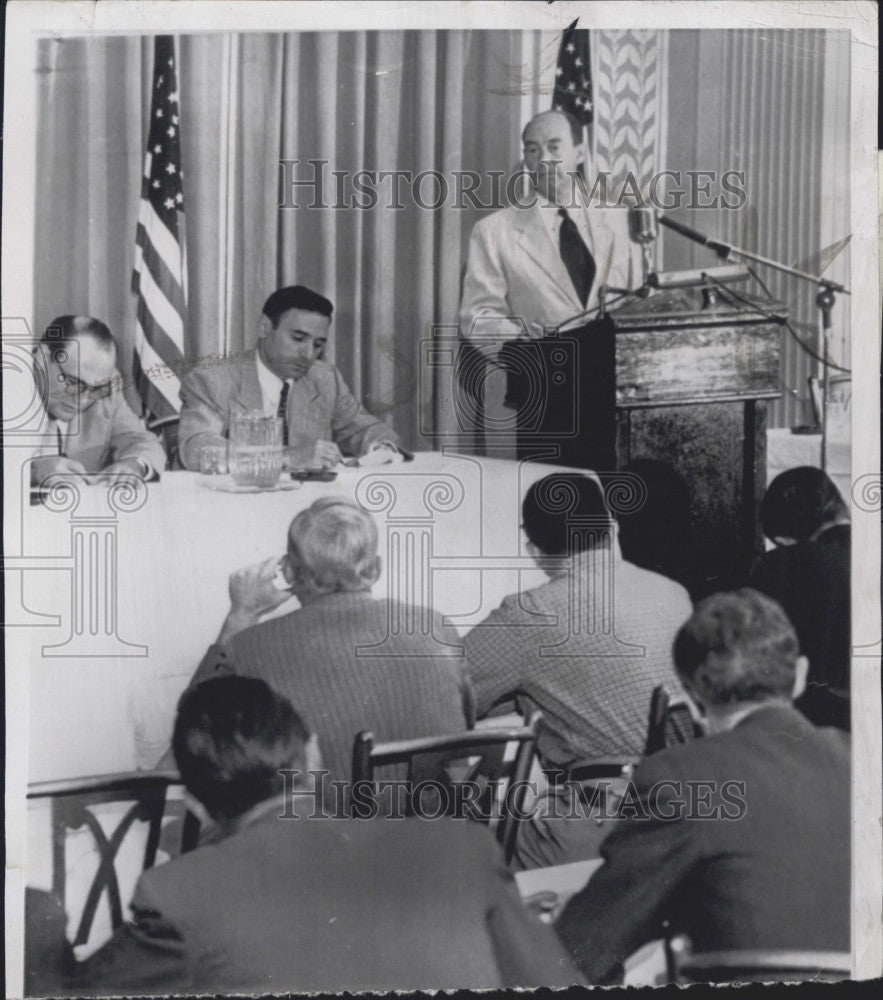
130 439
485 309
204 408
352 426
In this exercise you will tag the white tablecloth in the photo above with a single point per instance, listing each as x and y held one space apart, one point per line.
111 707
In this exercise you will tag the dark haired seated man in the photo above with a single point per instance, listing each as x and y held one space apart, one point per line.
289 902
808 573
587 647
741 840
285 374
88 426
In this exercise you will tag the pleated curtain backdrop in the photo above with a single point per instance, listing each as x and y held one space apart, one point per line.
775 106
772 104
413 101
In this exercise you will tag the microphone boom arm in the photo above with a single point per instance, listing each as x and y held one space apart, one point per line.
726 250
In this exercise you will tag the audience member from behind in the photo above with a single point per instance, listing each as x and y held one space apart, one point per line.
290 904
348 661
286 375
745 841
808 574
88 426
587 647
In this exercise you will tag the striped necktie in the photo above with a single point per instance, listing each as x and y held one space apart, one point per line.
579 262
282 411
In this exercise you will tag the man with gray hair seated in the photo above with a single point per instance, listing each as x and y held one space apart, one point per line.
348 661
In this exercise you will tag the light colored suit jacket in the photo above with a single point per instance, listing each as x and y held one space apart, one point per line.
108 431
516 282
320 407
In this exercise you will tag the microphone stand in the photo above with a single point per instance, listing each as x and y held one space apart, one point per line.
824 300
601 308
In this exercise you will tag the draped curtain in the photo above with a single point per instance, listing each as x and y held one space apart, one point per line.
775 106
413 101
772 104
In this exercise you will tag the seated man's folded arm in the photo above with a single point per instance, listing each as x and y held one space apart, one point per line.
648 865
203 418
528 953
353 428
130 440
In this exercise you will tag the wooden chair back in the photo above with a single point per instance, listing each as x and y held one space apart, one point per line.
671 722
166 429
756 965
72 802
449 763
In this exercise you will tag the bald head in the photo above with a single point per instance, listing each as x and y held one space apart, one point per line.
553 151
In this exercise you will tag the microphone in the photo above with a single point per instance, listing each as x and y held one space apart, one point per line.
642 225
721 249
643 230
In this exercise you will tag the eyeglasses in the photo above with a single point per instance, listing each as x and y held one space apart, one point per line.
77 387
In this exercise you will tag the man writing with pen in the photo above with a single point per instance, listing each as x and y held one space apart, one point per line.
87 427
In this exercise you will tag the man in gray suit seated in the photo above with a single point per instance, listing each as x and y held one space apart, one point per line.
284 374
87 426
348 661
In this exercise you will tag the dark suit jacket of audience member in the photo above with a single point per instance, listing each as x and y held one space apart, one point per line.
304 904
320 658
811 580
778 877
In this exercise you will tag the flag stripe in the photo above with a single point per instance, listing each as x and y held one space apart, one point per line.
155 335
154 401
158 276
162 376
165 314
152 229
147 260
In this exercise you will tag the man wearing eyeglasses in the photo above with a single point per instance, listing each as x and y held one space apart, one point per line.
88 426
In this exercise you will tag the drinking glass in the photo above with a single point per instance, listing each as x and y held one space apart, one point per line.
255 452
213 460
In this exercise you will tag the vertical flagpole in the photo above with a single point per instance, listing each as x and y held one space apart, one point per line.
587 157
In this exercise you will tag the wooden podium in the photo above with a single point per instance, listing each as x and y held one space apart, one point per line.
680 377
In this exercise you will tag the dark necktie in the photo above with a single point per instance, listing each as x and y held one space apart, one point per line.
282 411
579 262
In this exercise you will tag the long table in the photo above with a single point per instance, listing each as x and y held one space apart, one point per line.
124 590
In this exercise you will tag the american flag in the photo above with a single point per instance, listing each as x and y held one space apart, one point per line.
573 76
160 275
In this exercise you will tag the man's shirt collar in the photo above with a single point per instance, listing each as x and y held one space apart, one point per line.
270 383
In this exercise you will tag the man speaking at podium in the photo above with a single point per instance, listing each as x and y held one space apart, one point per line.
543 260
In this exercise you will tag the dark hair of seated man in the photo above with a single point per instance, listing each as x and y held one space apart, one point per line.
799 503
295 297
67 328
564 513
232 736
